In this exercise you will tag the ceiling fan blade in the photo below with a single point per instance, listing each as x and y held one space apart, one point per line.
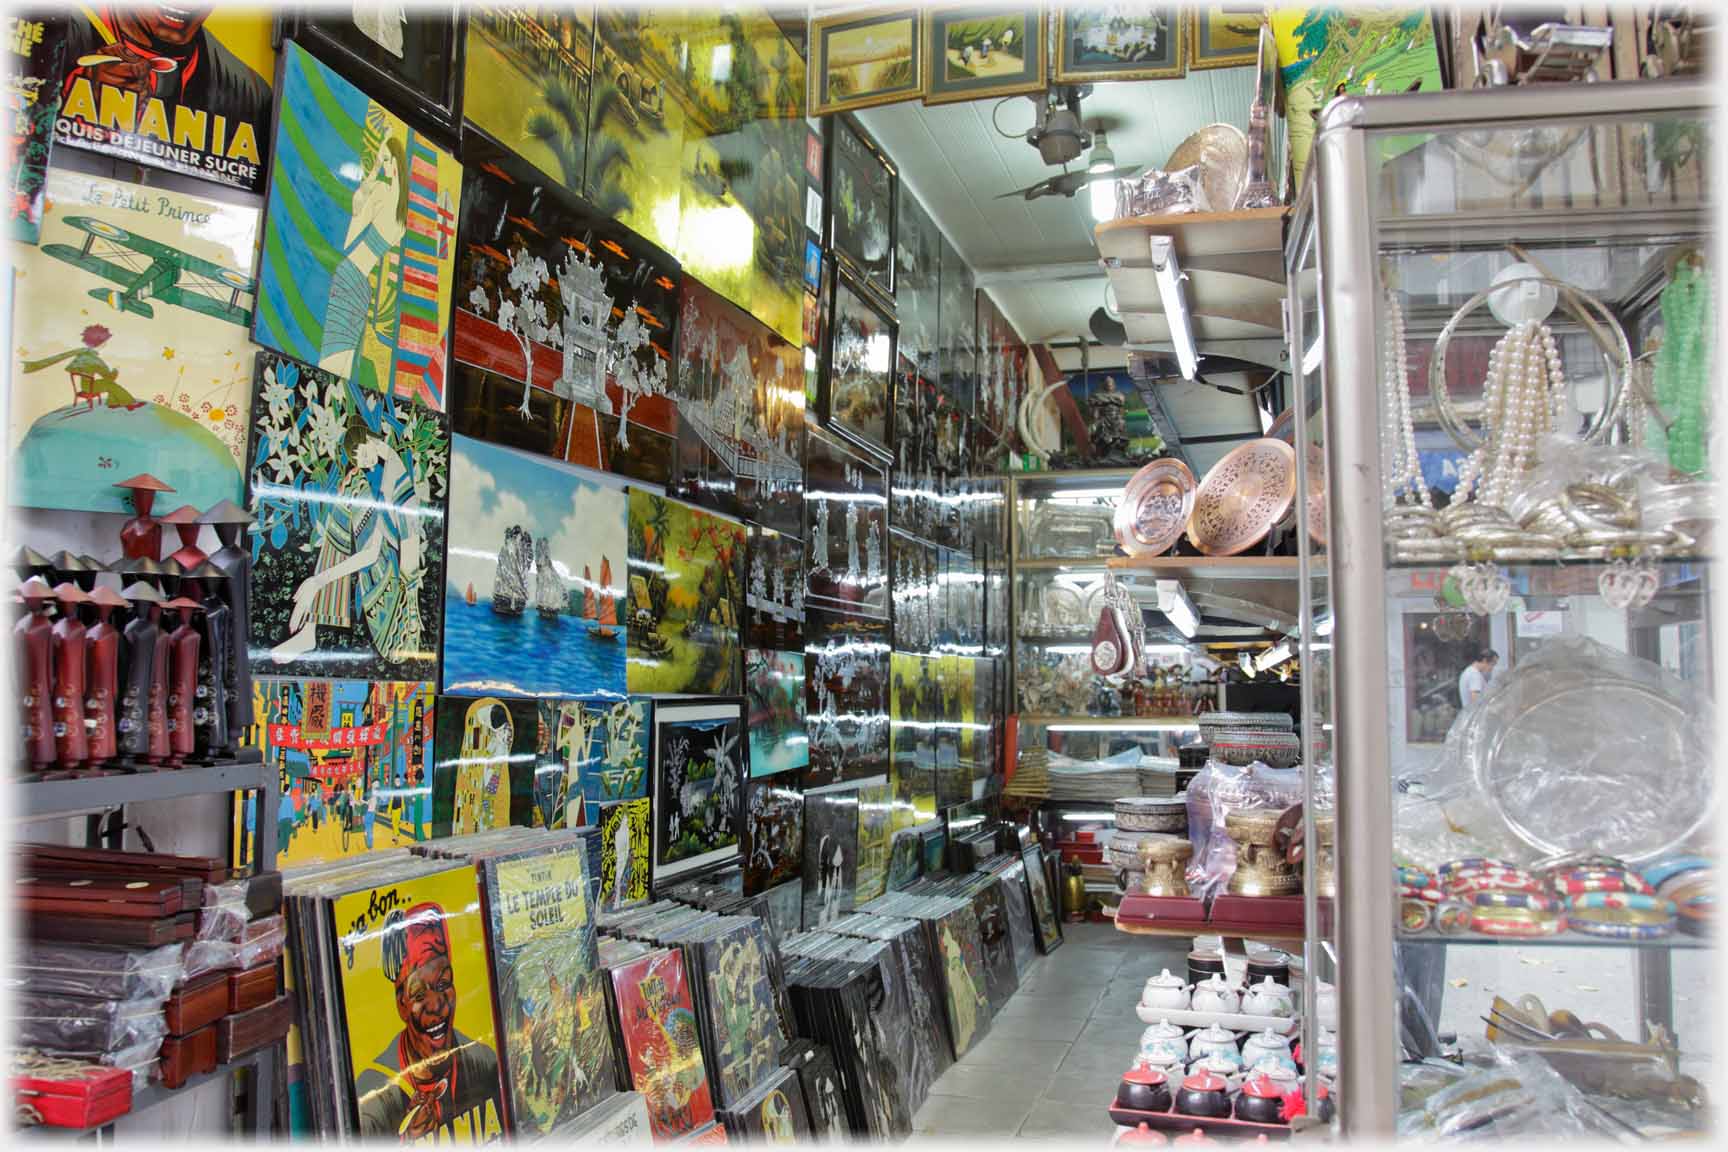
1199 379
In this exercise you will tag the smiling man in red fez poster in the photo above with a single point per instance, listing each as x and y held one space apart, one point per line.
431 1081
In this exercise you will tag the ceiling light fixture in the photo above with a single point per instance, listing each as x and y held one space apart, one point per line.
1178 609
1273 656
1103 159
1170 277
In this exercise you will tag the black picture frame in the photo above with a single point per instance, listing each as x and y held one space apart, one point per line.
870 423
433 103
853 156
686 710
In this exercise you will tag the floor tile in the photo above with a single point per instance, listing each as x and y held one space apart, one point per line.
1094 1086
996 1082
1059 1118
1008 1050
1047 1028
961 1116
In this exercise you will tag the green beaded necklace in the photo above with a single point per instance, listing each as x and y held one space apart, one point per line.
1683 365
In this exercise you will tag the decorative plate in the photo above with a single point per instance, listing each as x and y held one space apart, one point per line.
1317 495
1155 508
1243 497
1221 151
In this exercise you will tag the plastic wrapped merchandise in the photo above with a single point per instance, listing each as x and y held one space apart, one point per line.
1505 1097
259 940
1156 193
1584 749
79 1024
224 914
96 971
1215 792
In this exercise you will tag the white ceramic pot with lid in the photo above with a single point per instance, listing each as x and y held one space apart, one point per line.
1268 998
1165 991
1162 1042
1215 995
1215 1041
1267 1045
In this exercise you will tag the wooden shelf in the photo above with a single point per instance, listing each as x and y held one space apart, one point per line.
1197 234
1213 567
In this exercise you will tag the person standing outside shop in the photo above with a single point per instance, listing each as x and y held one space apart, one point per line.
1477 675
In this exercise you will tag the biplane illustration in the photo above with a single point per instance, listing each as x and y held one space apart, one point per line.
147 270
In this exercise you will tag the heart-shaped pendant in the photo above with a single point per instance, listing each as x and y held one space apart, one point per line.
1618 584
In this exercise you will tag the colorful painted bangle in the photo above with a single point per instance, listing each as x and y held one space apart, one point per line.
1662 871
1499 883
1677 888
1622 923
1430 894
1452 917
1516 922
1534 901
1620 902
1415 915
1415 877
1600 880
1468 862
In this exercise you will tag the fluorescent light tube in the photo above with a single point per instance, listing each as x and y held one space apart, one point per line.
1170 277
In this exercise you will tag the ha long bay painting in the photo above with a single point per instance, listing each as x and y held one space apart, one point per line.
535 577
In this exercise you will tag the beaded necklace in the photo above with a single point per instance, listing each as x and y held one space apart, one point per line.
1683 363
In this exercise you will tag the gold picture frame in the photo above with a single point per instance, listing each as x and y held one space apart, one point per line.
1026 25
1076 26
871 42
1208 48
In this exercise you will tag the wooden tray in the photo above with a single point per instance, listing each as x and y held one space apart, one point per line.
82 929
1234 1021
1229 1129
97 861
249 1031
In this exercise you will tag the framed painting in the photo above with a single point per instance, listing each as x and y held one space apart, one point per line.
776 1113
203 73
859 384
1044 912
773 834
686 598
742 1009
830 855
625 850
1224 35
957 333
35 45
813 262
635 155
115 376
917 584
533 589
605 742
862 187
774 689
385 943
846 665
527 74
845 527
917 261
353 762
412 56
483 776
960 960
562 317
861 59
743 161
981 53
657 1026
913 709
347 492
359 264
875 830
1094 44
740 398
698 786
774 592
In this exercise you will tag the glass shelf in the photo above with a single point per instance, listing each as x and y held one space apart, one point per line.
1674 940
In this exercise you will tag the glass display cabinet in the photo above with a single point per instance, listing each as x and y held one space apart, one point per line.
1501 335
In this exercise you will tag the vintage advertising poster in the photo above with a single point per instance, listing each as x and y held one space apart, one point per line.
636 121
845 527
846 697
774 592
186 89
528 70
551 1043
698 787
830 855
686 598
130 351
774 688
533 585
624 853
353 760
427 1071
742 196
359 238
875 830
35 46
347 496
662 1042
773 834
743 1016
741 414
483 776
565 322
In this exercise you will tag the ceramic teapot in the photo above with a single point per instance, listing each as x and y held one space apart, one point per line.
1215 995
1215 1041
1267 1045
1165 991
1144 1089
1268 998
1162 1042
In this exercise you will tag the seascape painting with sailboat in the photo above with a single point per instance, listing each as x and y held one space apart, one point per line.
535 577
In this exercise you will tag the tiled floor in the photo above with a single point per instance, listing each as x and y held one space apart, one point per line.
1051 1060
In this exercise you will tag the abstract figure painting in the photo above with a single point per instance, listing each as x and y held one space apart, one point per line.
624 853
129 348
845 527
359 252
741 413
605 744
860 379
532 591
698 787
743 1015
846 701
487 759
686 598
774 687
773 835
527 70
347 496
830 855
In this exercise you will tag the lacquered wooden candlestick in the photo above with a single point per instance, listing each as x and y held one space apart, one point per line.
142 535
102 671
235 560
35 642
71 738
143 722
187 524
183 646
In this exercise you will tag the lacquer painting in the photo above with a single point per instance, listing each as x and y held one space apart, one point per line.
347 491
860 59
774 592
830 855
957 332
862 185
875 830
698 786
774 690
636 120
914 707
534 584
483 778
129 346
773 834
359 238
860 379
526 76
686 598
740 393
605 743
625 844
845 527
917 260
846 698
410 54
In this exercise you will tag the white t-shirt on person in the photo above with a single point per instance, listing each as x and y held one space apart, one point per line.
1471 684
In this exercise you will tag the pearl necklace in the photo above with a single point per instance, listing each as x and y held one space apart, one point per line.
1523 398
1404 477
